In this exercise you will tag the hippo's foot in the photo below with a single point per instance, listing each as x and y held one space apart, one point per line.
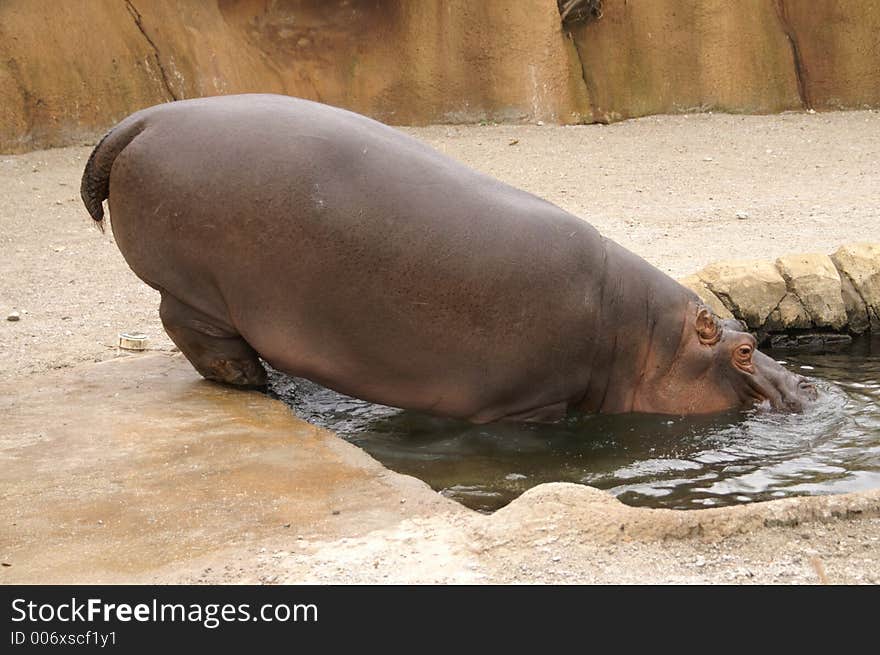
241 373
217 352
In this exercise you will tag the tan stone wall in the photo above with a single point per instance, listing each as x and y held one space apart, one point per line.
666 56
69 70
754 56
839 47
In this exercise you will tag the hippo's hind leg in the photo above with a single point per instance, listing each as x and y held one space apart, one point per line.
217 353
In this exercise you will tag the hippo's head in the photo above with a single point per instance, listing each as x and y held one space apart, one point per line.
717 367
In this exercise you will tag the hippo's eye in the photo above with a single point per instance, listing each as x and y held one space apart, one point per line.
742 358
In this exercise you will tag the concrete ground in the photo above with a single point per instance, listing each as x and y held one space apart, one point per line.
129 468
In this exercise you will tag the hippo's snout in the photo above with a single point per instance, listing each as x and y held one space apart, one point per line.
808 389
797 398
783 389
796 392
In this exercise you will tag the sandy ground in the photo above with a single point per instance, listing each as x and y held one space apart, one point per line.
669 188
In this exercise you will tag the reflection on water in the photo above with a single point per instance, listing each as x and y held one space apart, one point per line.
654 461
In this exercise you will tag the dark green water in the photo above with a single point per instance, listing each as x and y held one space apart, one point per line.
653 461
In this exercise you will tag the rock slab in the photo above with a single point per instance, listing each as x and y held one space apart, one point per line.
750 289
814 282
859 267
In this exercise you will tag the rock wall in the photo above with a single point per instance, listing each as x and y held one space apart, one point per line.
803 299
672 55
754 56
69 70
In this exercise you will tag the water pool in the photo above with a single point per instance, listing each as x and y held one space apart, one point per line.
652 461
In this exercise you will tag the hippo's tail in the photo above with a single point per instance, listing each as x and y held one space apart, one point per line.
95 187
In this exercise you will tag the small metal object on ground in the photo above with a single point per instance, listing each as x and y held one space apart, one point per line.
13 316
133 341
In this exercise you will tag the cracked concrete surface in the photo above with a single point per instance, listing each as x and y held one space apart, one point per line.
115 470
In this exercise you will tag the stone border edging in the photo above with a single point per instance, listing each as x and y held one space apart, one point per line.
600 516
799 293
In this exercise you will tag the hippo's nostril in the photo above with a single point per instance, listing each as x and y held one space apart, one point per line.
807 387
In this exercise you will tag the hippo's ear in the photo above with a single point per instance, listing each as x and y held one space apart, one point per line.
707 327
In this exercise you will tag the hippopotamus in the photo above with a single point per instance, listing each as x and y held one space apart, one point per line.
341 250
